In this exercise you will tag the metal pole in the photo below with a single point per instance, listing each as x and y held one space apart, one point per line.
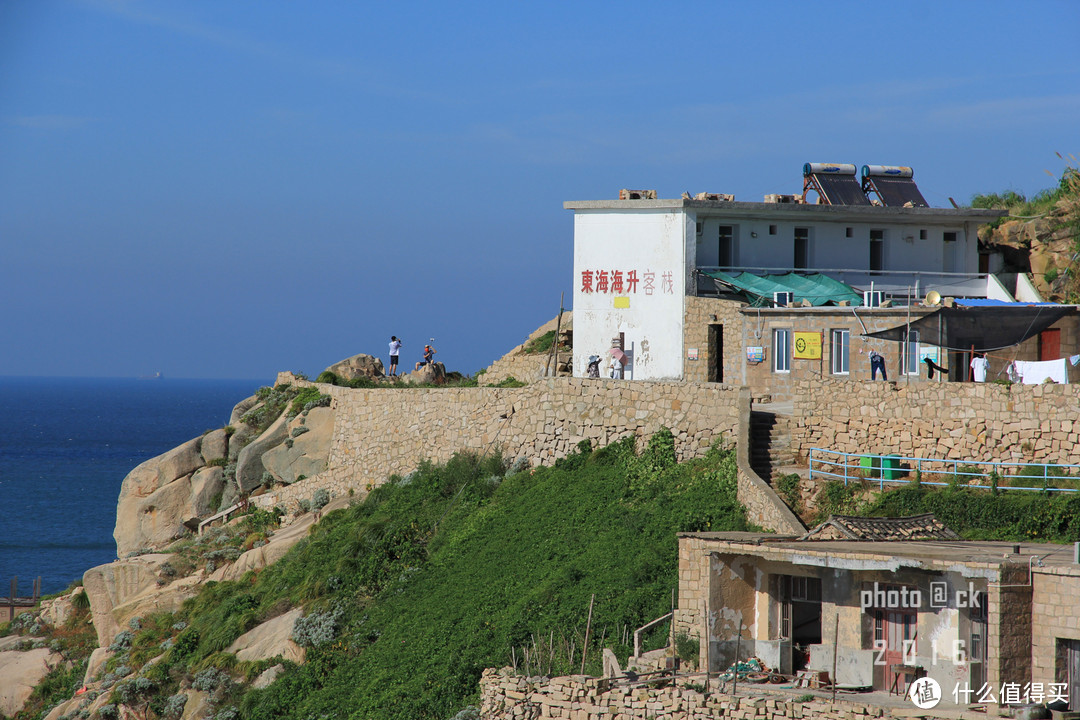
738 646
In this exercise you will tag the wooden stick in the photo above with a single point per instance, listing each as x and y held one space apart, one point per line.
738 646
835 652
588 627
708 650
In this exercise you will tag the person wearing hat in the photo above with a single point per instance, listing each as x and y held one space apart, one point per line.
429 357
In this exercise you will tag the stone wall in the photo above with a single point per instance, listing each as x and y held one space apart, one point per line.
722 348
382 431
1054 608
1008 617
577 697
763 506
527 368
693 590
962 421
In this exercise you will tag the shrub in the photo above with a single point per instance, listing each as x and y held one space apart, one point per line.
299 430
687 648
327 377
316 628
122 640
174 706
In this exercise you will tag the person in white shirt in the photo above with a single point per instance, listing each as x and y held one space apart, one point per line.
395 351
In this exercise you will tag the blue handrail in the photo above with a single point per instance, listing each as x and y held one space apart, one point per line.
829 463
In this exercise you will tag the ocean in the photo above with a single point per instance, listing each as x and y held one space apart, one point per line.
66 445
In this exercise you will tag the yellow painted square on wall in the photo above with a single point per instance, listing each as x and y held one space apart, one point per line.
622 301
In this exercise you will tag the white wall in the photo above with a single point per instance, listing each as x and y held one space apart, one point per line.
830 247
651 243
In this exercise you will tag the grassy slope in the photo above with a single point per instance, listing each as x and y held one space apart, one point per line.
422 612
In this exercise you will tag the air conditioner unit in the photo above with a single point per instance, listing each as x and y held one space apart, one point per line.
873 299
783 299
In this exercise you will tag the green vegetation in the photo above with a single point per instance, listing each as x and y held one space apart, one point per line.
974 514
540 344
409 595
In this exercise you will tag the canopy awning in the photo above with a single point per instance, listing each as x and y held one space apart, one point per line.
983 328
817 288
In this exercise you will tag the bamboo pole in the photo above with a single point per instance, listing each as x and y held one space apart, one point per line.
588 627
835 652
738 646
708 649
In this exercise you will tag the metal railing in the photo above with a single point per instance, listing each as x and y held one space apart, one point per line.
835 465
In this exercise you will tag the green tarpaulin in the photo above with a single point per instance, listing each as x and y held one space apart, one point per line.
817 288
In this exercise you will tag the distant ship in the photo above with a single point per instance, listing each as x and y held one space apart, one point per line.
155 376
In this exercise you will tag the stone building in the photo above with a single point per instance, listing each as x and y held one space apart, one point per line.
966 614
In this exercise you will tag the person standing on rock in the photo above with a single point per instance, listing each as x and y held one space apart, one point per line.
429 357
395 351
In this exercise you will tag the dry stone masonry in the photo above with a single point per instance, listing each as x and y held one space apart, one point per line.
577 697
380 432
961 421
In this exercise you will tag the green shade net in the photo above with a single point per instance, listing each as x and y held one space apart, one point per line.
817 288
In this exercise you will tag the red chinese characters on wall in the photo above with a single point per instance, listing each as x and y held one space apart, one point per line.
626 282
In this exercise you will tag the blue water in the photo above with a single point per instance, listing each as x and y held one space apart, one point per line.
66 445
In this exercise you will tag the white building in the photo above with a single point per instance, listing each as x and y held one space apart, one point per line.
636 261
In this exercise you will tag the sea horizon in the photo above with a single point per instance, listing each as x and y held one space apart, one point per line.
66 445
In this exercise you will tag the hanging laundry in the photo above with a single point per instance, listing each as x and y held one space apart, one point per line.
979 366
1034 373
1075 360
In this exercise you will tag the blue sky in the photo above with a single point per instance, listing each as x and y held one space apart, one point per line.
229 189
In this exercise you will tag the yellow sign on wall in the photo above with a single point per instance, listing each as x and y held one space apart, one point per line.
807 346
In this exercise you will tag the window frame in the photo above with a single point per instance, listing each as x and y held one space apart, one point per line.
909 354
845 334
777 355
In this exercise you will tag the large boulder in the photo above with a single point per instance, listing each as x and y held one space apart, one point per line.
207 484
270 639
358 366
279 543
249 465
242 408
310 450
435 373
215 445
20 671
121 590
157 496
56 612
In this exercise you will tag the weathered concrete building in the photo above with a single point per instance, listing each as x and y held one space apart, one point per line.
966 614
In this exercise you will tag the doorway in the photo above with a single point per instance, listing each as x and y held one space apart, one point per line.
716 353
1050 344
800 620
1068 669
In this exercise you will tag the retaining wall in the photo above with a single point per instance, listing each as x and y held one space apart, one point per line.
507 697
379 432
963 421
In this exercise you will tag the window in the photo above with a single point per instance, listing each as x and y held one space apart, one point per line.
877 250
772 229
922 234
726 252
950 237
909 360
700 227
849 232
802 248
840 351
781 347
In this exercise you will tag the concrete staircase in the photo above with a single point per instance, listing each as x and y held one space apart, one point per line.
770 443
